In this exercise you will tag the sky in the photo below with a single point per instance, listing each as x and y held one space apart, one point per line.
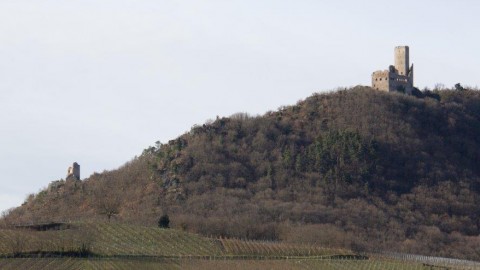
97 82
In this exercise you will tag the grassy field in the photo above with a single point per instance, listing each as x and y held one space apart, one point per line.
115 263
272 249
105 239
120 246
108 239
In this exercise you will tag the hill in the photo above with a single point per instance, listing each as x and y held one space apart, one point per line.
355 168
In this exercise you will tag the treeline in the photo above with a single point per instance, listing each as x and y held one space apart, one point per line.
356 168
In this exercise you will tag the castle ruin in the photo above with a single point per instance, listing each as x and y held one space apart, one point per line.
74 171
398 77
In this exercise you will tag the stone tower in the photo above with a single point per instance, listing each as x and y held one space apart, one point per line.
74 171
402 59
398 77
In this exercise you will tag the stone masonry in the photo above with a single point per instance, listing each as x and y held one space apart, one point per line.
74 171
398 77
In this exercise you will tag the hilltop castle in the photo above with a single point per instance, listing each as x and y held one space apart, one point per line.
74 171
398 77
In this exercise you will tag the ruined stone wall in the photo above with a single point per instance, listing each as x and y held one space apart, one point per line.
400 81
74 171
381 80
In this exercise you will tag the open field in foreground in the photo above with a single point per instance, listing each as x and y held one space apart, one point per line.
104 263
120 246
105 239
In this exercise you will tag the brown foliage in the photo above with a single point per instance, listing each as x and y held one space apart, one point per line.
356 168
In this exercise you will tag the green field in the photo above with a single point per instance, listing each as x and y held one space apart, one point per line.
120 246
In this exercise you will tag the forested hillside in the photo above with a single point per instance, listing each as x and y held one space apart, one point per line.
354 168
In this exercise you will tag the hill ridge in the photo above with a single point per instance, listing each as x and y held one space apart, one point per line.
357 168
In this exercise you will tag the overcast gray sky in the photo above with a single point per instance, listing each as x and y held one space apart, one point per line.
98 81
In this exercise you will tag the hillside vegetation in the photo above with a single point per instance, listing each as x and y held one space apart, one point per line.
147 264
121 240
120 246
356 168
102 239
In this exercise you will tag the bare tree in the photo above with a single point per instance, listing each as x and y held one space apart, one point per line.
109 206
107 202
17 243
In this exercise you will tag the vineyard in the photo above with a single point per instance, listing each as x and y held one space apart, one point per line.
77 263
107 240
121 246
276 249
115 263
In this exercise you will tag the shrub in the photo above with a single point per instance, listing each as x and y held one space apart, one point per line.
164 222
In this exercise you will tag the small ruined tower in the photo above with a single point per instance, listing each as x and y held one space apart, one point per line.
74 171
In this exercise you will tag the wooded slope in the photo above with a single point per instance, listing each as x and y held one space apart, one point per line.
355 168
